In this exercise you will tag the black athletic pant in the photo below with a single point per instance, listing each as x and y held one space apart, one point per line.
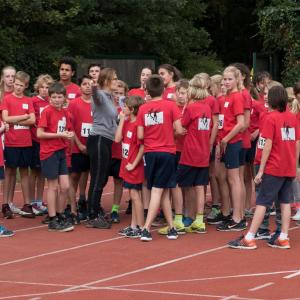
99 151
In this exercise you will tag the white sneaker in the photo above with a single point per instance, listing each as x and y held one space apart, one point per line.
41 206
14 209
296 217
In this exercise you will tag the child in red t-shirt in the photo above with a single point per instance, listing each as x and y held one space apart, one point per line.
94 72
18 112
132 166
54 132
36 180
156 120
275 175
7 79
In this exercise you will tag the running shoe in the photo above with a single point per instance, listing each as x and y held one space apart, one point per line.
214 218
125 230
159 221
135 233
4 232
296 216
278 243
40 206
36 210
6 211
27 212
242 243
14 209
46 220
196 227
232 226
187 221
115 217
263 234
56 225
172 234
100 223
146 236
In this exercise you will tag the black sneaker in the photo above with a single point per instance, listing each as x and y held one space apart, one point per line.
223 224
263 234
46 220
134 233
102 212
125 230
74 219
6 211
115 217
99 223
172 234
55 225
129 207
146 236
232 226
217 219
82 209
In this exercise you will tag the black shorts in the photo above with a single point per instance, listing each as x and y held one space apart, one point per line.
160 169
17 157
178 155
80 163
231 157
188 176
243 153
212 156
250 154
55 165
2 173
35 158
274 188
132 186
115 168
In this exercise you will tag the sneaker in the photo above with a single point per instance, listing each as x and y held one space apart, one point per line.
214 219
296 217
249 213
172 234
274 236
146 236
129 207
36 210
278 243
14 209
125 230
187 221
115 217
67 211
74 219
6 211
196 227
135 233
273 211
242 243
232 226
82 206
165 230
46 220
179 226
263 234
39 205
159 222
55 225
27 212
99 223
4 232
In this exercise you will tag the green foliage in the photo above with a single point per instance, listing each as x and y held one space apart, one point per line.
280 27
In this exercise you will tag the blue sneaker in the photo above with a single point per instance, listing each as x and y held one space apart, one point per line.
5 232
187 221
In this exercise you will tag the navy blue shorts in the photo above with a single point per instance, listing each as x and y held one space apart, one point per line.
17 157
115 168
132 186
243 153
35 158
231 157
274 188
188 176
80 163
160 170
55 165
250 154
2 173
178 155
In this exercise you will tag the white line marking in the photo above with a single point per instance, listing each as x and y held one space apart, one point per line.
36 298
231 297
262 286
297 273
35 283
151 267
202 279
29 228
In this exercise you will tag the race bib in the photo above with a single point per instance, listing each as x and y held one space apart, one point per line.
129 134
288 134
18 127
203 124
61 125
261 143
221 122
71 96
85 129
25 106
226 104
154 118
125 150
170 96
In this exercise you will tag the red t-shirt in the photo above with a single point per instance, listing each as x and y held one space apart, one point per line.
197 119
157 118
169 93
256 111
247 106
213 104
130 149
17 135
283 130
137 92
179 139
73 91
54 121
233 106
81 119
39 105
220 135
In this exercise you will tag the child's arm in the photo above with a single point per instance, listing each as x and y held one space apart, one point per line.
265 155
80 146
118 134
41 134
28 122
214 131
178 127
140 132
14 119
132 166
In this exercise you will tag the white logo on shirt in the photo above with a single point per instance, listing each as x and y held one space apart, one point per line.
129 134
85 129
125 150
25 106
61 125
288 134
71 96
203 124
170 96
261 143
221 121
154 118
226 104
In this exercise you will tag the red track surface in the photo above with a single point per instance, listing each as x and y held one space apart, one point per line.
94 264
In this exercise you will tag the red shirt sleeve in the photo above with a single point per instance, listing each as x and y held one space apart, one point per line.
30 106
176 112
43 123
268 130
186 118
238 105
140 117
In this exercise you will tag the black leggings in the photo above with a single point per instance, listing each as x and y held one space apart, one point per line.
99 151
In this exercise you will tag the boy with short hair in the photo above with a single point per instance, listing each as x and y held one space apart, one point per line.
156 120
54 133
18 112
67 69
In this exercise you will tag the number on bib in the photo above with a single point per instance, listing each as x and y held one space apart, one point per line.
85 129
261 143
18 127
221 121
61 125
203 124
125 150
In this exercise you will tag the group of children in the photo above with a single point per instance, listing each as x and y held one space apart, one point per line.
174 139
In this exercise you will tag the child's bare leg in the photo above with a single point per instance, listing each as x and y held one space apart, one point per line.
137 207
167 208
10 175
285 217
75 179
25 184
64 185
83 184
51 196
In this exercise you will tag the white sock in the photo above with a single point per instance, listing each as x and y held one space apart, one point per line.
283 236
249 236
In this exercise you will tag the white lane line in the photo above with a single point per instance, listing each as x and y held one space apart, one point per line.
29 228
296 273
203 279
262 286
35 283
151 267
230 297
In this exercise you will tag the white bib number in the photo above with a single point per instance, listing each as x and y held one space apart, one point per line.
25 106
154 118
221 122
203 124
18 127
61 125
85 129
288 134
261 143
125 150
71 96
